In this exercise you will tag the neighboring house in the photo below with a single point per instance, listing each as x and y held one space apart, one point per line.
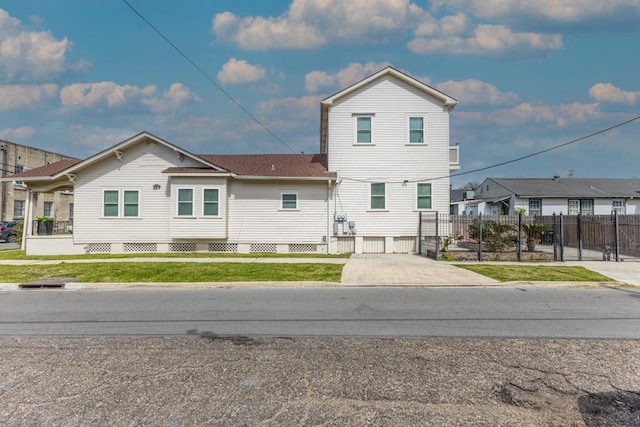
546 196
17 158
460 201
384 157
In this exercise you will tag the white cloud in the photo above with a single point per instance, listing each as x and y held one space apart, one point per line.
550 10
606 92
321 81
13 97
240 71
170 100
306 106
525 113
17 134
487 39
26 55
476 92
112 95
313 23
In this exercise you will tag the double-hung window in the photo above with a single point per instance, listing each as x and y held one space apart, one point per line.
377 196
289 201
210 202
364 129
116 203
617 205
47 208
424 196
416 130
580 207
185 201
535 207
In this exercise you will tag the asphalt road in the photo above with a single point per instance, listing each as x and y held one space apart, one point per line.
329 312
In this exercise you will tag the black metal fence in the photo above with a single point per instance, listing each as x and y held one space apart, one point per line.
535 238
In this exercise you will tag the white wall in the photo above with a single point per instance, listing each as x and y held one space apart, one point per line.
390 159
198 226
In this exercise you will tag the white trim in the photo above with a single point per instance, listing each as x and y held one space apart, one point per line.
372 131
417 208
217 188
120 203
408 130
288 193
193 202
369 208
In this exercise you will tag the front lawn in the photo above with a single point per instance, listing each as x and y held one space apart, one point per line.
150 272
536 273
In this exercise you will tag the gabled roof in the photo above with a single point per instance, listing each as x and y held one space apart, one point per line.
447 101
571 187
46 170
390 71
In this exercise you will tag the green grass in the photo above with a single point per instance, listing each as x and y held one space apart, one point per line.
173 272
8 254
535 273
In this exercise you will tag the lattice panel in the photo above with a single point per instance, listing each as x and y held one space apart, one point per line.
99 248
263 247
303 248
183 247
223 247
140 247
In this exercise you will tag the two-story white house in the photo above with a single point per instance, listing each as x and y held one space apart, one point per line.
384 157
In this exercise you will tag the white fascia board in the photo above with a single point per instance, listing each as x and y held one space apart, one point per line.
285 178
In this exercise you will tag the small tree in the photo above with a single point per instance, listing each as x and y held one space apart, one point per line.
533 232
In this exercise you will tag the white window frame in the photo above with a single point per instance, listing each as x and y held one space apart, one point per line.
583 206
573 207
424 129
371 118
288 193
617 205
193 196
205 202
418 185
384 186
47 208
537 211
20 214
120 204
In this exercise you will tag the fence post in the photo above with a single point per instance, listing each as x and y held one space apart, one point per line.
420 233
617 240
519 236
579 226
555 237
480 237
561 239
437 237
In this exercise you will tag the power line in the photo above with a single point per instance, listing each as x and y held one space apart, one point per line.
517 159
207 76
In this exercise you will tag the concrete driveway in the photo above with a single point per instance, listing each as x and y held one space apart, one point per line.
404 269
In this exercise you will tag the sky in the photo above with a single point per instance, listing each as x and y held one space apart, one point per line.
248 76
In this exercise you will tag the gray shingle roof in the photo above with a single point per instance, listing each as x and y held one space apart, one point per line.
571 187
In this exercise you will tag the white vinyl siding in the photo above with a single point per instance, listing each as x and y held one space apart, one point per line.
377 196
364 129
416 129
392 159
289 201
185 202
424 196
210 202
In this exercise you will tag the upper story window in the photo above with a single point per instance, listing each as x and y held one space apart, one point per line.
19 168
210 202
364 129
424 196
18 208
377 196
416 130
116 203
185 201
289 201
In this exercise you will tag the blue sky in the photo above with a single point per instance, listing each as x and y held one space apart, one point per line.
79 76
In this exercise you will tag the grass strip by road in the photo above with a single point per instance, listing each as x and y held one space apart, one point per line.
18 254
128 272
536 273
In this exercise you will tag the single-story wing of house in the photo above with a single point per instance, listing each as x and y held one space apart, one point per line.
384 158
548 196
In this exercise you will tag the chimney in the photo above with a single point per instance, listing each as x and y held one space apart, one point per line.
556 177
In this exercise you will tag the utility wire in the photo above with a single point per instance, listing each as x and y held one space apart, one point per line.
207 76
517 159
